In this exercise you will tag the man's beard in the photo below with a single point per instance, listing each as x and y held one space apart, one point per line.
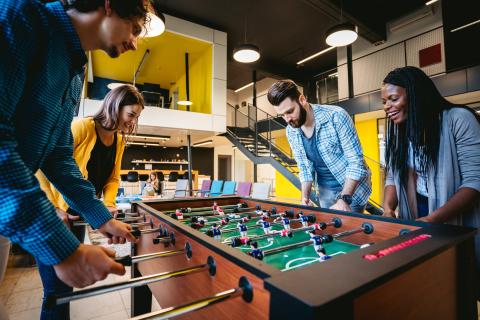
112 52
301 120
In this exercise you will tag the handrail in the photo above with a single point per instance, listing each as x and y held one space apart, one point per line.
375 162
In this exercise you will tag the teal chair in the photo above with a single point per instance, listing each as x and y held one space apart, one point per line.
216 188
229 188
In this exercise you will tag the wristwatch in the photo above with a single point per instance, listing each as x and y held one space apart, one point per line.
345 197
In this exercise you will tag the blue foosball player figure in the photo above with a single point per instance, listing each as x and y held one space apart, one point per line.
256 253
285 221
242 228
303 218
318 246
267 228
217 233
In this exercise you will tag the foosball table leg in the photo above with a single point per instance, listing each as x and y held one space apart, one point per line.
140 297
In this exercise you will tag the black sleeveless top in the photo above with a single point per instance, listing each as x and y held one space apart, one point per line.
101 164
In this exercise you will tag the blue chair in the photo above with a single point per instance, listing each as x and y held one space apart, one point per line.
229 188
216 188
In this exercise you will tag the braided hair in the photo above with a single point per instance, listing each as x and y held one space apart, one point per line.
423 125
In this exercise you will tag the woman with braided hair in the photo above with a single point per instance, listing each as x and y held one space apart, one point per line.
432 153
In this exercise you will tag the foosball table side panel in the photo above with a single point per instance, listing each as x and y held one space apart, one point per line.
432 280
196 286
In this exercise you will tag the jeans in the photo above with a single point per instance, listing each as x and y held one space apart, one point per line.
53 285
328 197
4 251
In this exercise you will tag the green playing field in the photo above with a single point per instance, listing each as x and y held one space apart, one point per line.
285 260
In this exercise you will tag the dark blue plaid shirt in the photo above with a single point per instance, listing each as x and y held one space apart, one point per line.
41 74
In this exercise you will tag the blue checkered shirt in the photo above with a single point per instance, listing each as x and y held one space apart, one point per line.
339 147
41 72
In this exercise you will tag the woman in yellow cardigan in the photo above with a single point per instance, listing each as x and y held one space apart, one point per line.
98 148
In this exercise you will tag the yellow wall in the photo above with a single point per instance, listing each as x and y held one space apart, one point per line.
368 133
283 187
200 82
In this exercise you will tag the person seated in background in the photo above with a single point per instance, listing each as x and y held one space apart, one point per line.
432 153
98 146
154 183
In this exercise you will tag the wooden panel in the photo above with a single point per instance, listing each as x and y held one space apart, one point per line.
196 286
427 297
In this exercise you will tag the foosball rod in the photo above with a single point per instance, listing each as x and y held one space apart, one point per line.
259 226
129 260
54 300
366 227
244 289
292 231
80 223
327 239
215 215
211 212
200 209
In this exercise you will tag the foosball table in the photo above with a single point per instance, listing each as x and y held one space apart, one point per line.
241 258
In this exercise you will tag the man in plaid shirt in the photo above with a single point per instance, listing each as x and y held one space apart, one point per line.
326 148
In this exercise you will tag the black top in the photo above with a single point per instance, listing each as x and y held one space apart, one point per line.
101 164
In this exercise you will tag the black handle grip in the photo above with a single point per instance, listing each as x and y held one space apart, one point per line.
125 260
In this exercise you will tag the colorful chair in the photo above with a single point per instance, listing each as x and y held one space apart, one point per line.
261 190
229 188
205 189
216 188
244 189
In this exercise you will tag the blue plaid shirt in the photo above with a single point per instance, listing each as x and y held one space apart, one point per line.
339 147
41 72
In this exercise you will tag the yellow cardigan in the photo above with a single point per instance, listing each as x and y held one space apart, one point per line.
84 139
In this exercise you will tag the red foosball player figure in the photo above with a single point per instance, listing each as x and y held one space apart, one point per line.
215 206
179 214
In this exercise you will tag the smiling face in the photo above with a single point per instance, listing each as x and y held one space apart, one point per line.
292 111
118 34
128 118
394 99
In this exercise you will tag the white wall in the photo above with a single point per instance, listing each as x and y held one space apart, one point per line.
370 66
165 118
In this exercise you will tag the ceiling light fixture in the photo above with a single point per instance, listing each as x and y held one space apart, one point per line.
430 2
152 137
315 55
244 87
186 102
154 27
343 33
246 53
465 26
115 85
198 144
143 144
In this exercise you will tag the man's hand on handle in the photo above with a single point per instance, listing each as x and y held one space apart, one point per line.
87 265
117 231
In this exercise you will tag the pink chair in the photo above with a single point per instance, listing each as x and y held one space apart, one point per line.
244 189
205 189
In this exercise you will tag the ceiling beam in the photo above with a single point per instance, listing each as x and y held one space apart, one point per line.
328 8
